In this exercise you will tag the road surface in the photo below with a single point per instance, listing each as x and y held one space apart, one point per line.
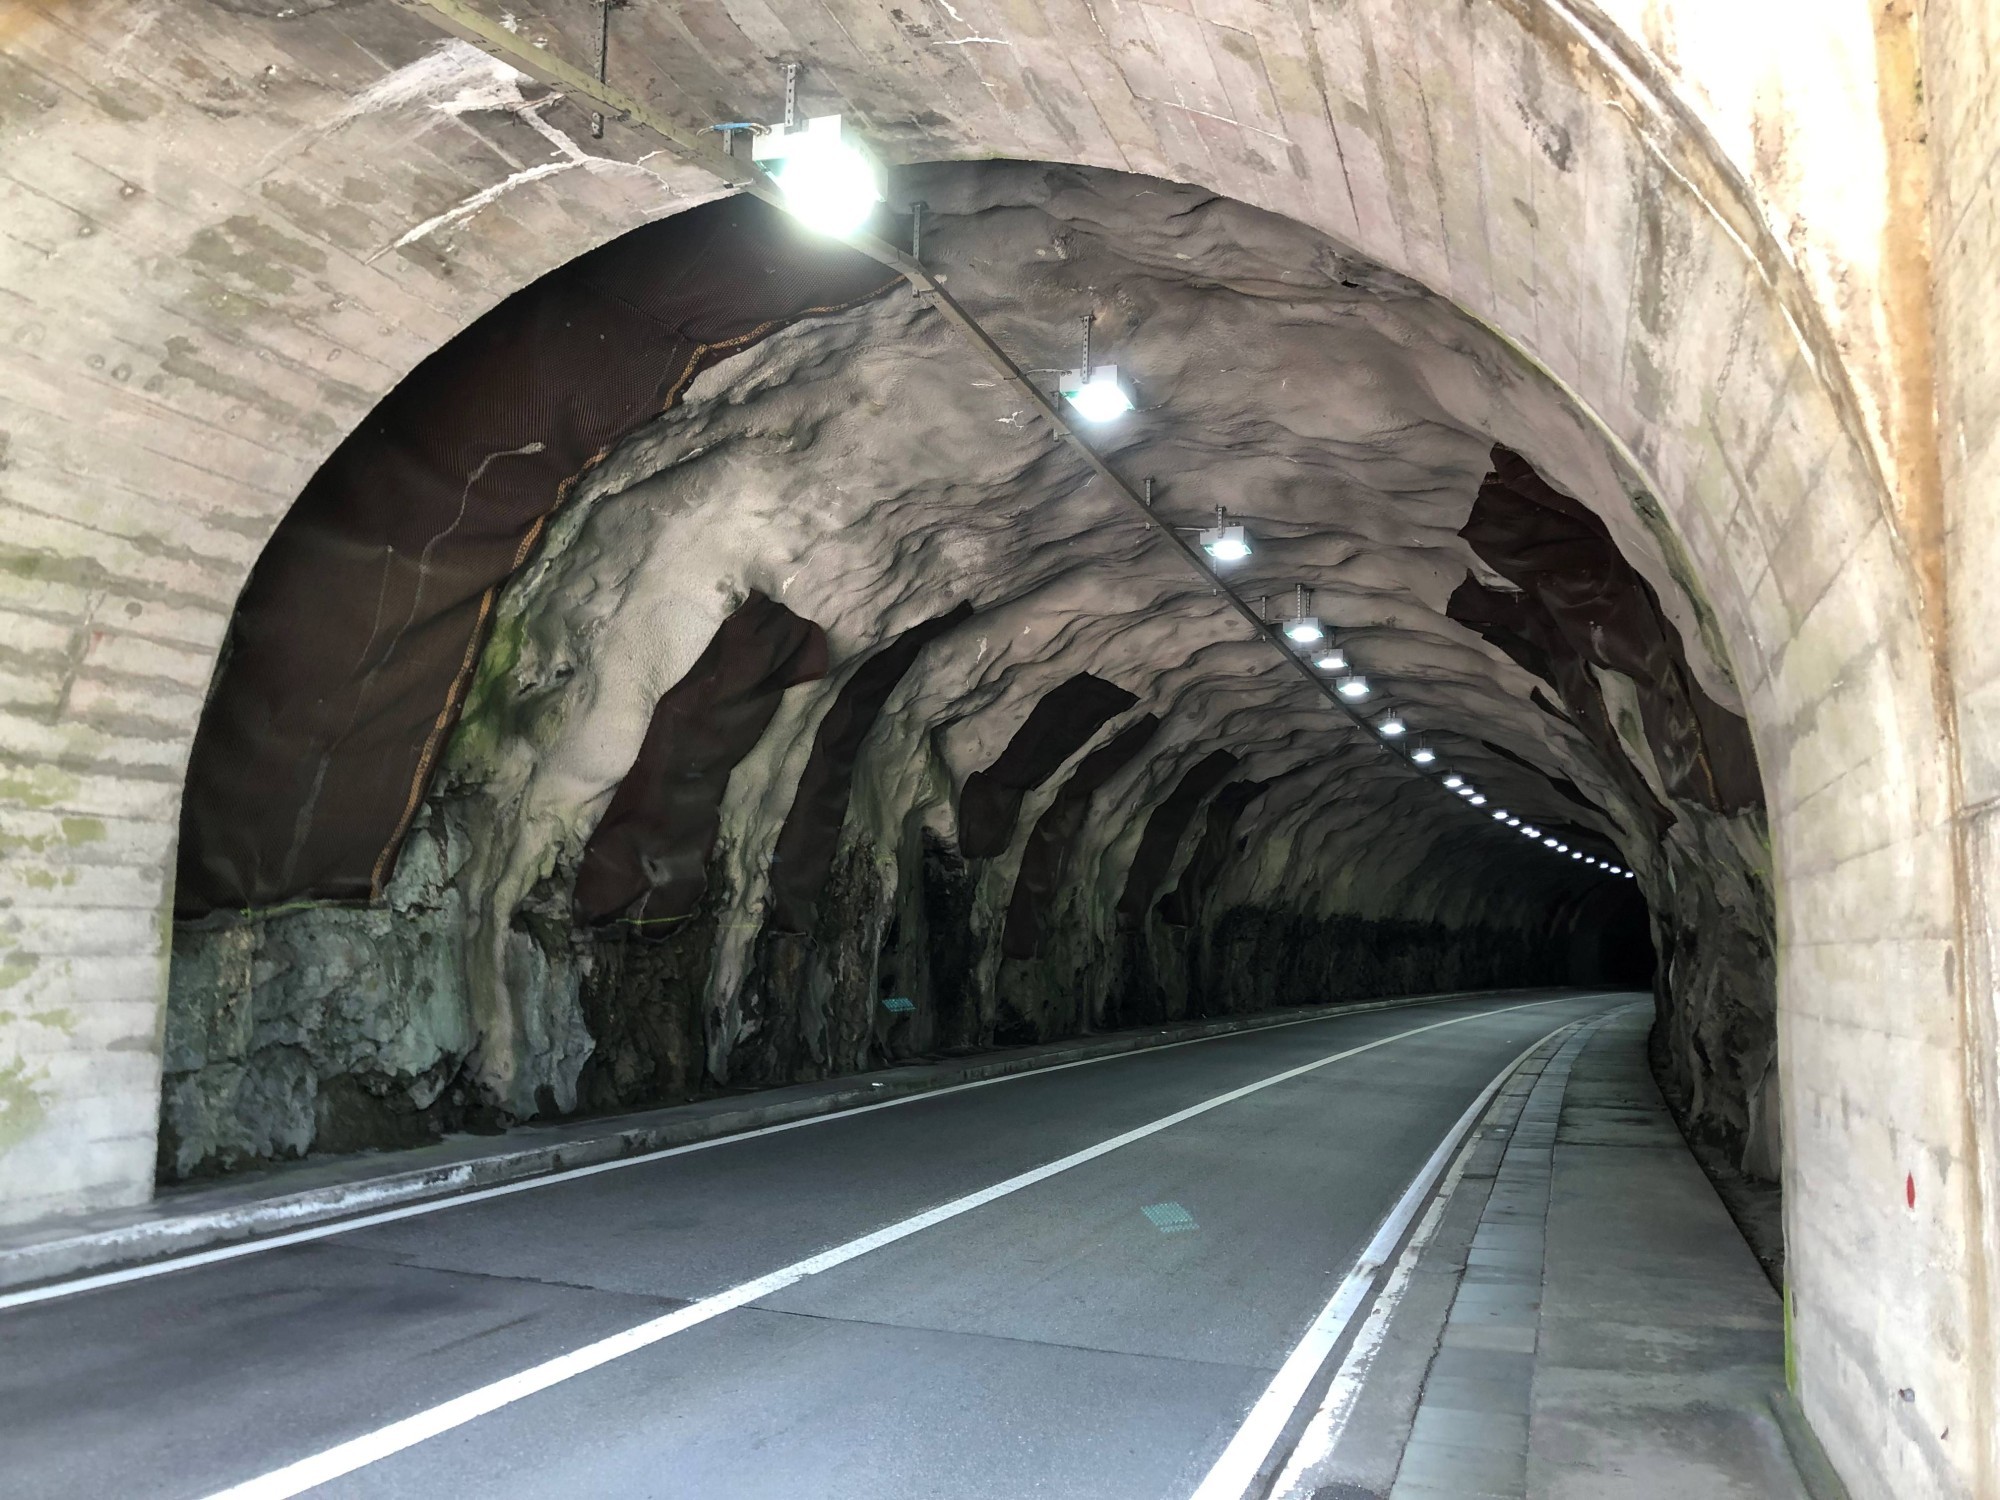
1148 1237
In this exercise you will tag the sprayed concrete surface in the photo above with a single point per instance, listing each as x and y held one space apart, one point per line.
231 229
858 469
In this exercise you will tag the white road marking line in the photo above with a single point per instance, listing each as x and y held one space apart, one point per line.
372 1447
259 1245
1324 1431
1236 1470
1330 1421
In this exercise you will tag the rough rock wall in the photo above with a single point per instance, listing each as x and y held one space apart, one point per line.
866 472
1578 616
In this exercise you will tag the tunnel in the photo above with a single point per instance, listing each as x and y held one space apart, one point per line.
1204 750
616 767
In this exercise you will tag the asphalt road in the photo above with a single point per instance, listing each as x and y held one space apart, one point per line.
1099 1332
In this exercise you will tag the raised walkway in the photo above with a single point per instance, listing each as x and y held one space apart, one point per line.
1586 1323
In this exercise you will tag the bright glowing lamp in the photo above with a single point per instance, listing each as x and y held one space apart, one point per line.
831 181
1454 781
1354 689
1305 629
1332 659
1513 822
1391 727
1099 397
1478 801
1550 842
1500 815
1224 543
1466 791
1423 755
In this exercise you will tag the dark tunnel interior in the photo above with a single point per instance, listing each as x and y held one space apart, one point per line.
698 676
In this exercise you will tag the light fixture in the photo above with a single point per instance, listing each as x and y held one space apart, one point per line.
1629 875
1354 689
1478 801
1332 659
1500 816
1533 833
1391 727
1095 392
1226 543
831 181
1550 842
1302 627
1097 395
1513 822
1423 755
1454 781
1466 791
1574 855
1223 542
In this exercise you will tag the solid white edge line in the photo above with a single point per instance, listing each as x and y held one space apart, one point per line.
1323 1432
257 1246
1236 1470
371 1447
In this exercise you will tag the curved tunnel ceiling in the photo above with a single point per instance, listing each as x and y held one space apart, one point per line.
1346 416
968 632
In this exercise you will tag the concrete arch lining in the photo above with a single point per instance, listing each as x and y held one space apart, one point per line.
347 193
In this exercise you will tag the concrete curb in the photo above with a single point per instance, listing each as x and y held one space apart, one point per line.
43 1253
1364 1457
1816 1470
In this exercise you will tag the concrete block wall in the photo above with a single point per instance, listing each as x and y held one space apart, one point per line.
1962 89
228 235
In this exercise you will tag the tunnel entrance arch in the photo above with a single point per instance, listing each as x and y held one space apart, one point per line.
1661 305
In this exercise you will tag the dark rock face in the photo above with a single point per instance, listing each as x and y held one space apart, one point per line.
838 717
1044 858
1183 905
802 860
353 645
1060 724
647 860
1164 827
641 995
943 950
1581 619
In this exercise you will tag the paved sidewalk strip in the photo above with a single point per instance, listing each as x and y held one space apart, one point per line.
1613 1337
1470 1437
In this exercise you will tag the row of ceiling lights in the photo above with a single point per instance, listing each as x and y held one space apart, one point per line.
1466 790
832 183
1226 543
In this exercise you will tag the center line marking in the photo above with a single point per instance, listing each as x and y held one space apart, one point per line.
371 1447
